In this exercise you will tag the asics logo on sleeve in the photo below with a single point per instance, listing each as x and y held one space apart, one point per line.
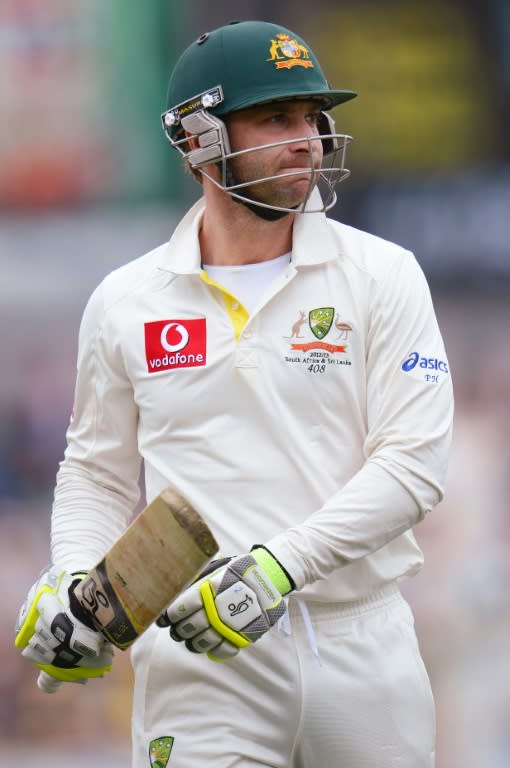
173 344
430 363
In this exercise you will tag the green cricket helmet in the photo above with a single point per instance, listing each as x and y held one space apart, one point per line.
242 65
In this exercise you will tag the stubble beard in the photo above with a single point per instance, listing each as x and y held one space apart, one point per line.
287 192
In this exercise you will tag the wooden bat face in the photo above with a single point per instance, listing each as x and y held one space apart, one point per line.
163 550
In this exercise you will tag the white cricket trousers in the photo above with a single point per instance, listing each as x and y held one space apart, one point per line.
334 686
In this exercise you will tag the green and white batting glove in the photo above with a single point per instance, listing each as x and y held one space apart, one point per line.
56 635
231 605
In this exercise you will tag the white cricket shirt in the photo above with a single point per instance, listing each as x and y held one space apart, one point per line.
318 425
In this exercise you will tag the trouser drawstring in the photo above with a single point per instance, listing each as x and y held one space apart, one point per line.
285 626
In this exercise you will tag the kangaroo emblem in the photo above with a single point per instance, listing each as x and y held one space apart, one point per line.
295 334
274 50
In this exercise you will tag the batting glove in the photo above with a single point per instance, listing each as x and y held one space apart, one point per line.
56 635
231 605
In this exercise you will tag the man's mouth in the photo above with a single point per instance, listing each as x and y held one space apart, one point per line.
303 170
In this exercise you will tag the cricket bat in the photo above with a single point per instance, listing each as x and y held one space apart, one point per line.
163 550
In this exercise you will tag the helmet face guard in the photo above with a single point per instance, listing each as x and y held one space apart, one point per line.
202 139
255 63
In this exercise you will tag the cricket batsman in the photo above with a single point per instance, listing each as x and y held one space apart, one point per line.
286 373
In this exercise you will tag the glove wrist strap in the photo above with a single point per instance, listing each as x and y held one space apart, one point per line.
276 572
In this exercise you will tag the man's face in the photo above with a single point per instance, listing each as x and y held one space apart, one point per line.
267 124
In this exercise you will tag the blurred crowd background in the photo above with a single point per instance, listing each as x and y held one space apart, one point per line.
87 182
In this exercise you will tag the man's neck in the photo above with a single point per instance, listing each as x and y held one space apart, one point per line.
232 234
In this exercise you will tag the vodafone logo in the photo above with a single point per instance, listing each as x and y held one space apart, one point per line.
180 330
175 344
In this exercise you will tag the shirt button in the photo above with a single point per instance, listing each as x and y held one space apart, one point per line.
234 305
247 334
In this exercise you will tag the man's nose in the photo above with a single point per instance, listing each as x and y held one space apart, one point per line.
306 137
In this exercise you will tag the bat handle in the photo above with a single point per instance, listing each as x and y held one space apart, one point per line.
47 683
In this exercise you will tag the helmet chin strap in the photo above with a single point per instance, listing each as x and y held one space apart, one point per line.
268 214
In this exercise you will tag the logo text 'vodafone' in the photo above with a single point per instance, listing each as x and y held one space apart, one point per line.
175 344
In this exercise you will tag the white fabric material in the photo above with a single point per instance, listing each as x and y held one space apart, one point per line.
368 703
82 531
326 450
248 282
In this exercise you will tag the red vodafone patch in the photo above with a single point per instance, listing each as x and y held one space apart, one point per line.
175 344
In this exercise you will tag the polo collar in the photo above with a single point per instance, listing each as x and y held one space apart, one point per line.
313 241
182 253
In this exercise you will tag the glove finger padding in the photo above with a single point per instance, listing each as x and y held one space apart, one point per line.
56 640
230 607
54 623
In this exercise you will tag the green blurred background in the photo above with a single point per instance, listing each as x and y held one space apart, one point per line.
87 182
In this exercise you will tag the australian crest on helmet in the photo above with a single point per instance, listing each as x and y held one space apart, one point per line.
286 52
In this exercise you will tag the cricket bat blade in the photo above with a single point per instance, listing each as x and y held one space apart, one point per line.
160 554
